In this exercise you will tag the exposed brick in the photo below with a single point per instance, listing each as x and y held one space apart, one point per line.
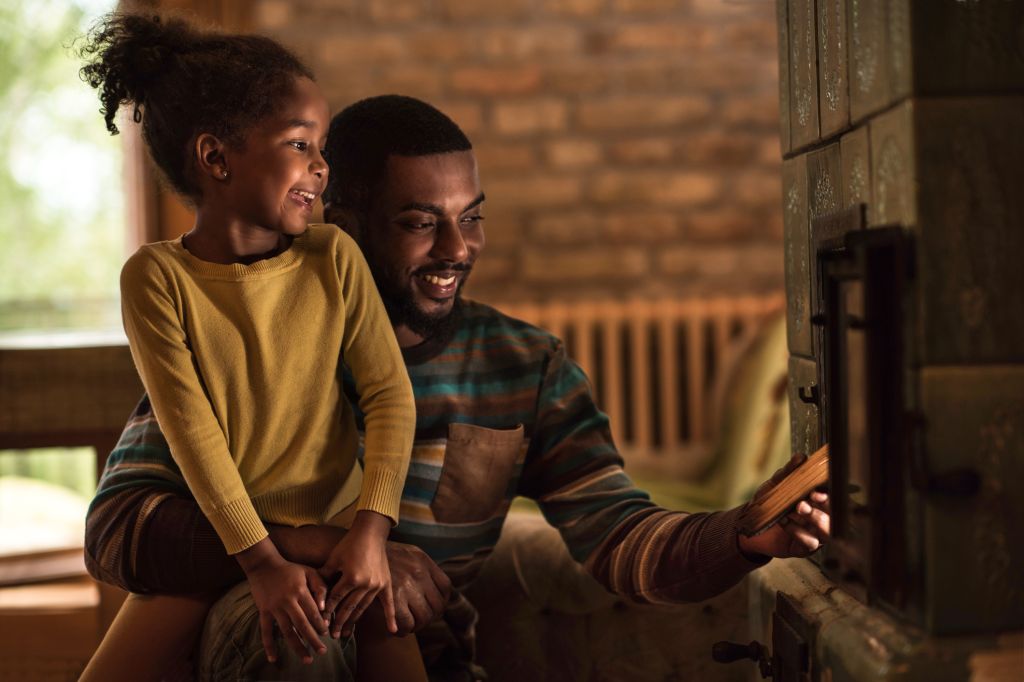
494 157
503 228
398 11
442 45
719 8
493 272
720 224
526 42
757 188
543 265
342 52
726 72
769 151
572 153
647 75
583 78
534 116
646 6
574 8
496 80
564 227
655 36
272 14
468 115
722 262
712 146
644 150
668 187
410 79
641 226
461 10
756 36
760 110
626 146
643 112
535 191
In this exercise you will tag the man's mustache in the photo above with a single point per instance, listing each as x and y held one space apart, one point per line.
443 267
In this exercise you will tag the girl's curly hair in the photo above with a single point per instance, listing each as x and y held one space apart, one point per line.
182 82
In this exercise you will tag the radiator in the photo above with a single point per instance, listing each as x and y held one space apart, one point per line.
654 364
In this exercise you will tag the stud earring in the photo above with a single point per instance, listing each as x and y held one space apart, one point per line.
224 174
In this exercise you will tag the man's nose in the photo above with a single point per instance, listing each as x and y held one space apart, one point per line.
450 244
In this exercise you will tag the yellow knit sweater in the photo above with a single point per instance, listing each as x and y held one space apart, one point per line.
242 364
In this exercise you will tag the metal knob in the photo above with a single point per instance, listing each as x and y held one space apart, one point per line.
730 652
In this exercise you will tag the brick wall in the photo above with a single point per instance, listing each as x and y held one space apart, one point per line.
626 146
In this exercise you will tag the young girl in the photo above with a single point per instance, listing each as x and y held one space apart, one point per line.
238 328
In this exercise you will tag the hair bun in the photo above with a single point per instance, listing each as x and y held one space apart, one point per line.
125 52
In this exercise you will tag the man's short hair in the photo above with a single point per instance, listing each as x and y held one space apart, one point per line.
365 134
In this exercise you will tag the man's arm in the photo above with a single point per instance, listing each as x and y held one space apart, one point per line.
145 533
631 546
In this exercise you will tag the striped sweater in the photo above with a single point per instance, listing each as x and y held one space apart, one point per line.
501 411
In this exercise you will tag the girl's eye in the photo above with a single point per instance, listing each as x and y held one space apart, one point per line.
298 144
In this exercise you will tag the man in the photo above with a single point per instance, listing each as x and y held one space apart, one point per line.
501 411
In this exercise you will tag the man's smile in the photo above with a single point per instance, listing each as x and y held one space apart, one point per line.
439 285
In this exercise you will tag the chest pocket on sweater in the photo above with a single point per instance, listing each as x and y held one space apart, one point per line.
478 465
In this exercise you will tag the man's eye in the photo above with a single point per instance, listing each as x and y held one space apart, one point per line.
472 219
298 144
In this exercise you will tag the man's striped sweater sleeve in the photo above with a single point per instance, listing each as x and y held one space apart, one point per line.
633 547
144 531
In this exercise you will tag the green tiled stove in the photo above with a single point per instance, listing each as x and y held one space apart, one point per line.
903 192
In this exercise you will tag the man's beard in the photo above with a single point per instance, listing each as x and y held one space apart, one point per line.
402 310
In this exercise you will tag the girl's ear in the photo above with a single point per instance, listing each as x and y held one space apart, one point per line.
209 157
346 219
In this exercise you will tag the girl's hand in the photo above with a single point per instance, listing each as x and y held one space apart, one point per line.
292 595
360 564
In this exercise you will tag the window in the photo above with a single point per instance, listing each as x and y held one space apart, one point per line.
62 226
62 240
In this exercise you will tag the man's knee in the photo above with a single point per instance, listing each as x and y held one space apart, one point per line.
231 647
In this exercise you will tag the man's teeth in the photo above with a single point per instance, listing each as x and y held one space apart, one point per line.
439 281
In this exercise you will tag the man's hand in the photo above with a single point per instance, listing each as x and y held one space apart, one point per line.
797 534
290 595
421 588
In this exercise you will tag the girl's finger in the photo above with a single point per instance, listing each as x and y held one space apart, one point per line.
346 608
312 616
267 635
318 589
292 638
364 603
300 618
338 595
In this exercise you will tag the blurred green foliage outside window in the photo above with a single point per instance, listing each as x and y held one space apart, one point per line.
62 231
62 239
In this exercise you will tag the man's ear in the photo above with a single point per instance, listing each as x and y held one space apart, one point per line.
346 219
209 157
